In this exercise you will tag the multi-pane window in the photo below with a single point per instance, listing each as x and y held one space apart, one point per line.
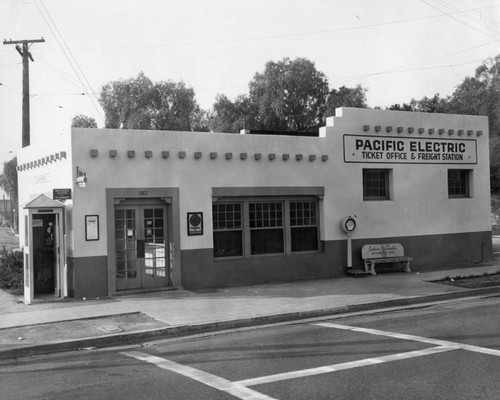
250 228
376 184
266 227
303 225
228 232
458 183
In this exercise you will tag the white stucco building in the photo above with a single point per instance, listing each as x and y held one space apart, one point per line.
117 210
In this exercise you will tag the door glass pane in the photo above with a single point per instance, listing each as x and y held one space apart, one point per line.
126 244
154 235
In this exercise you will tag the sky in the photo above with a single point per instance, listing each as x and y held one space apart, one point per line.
397 49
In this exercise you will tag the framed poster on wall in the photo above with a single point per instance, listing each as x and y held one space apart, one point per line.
195 223
91 227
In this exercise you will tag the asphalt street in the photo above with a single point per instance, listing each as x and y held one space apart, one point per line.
447 351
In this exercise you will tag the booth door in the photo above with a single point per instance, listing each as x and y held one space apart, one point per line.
140 243
45 253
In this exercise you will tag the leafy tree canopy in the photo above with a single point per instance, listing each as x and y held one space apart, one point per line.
138 103
82 121
289 95
8 179
345 97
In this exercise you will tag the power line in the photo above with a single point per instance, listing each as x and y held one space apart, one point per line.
453 14
310 33
34 96
71 58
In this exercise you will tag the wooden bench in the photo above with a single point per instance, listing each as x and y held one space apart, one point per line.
373 254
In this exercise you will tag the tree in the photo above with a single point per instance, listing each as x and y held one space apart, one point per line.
289 95
8 180
138 103
232 117
345 97
82 121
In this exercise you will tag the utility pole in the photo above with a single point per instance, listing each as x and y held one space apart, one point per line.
25 54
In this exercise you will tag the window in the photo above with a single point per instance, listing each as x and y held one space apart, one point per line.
376 184
303 225
253 227
458 183
228 232
266 227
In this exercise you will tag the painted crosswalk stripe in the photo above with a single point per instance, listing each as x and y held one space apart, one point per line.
342 366
237 390
404 336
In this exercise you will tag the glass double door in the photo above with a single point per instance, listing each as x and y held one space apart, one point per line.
141 246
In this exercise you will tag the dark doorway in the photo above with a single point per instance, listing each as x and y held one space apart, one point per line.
44 255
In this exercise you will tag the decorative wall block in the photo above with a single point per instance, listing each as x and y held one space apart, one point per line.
377 128
441 131
272 157
312 157
148 154
197 155
470 132
388 129
165 154
451 131
243 156
431 131
229 156
131 153
411 129
479 133
366 128
324 157
113 153
286 156
399 129
213 155
299 157
182 154
94 153
63 154
421 130
460 132
258 156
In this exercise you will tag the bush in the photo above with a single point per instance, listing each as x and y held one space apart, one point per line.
11 271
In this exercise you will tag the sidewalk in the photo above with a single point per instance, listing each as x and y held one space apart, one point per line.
75 324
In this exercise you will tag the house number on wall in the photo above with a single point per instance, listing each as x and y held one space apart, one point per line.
143 193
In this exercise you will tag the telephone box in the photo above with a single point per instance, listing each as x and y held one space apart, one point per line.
44 265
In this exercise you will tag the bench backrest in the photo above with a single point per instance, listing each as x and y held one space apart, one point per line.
382 250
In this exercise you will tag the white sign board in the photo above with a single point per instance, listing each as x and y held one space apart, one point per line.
390 149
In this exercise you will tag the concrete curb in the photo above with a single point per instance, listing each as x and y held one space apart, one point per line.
125 338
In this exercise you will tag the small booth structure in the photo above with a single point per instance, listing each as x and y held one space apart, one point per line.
119 211
44 249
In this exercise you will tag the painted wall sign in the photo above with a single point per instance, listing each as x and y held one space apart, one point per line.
390 149
61 194
195 223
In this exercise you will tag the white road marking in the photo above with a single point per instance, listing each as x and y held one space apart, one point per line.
240 388
404 336
342 366
214 381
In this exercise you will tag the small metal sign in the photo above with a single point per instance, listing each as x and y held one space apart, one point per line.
195 223
61 194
